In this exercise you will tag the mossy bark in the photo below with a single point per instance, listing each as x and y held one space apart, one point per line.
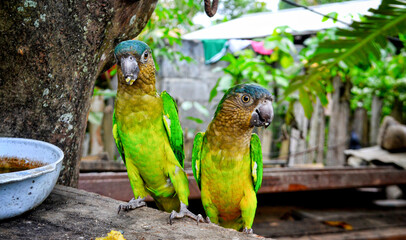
51 54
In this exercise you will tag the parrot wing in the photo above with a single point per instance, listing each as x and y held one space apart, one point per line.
117 137
172 126
256 161
196 156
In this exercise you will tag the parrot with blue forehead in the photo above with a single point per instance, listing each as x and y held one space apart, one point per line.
148 134
227 158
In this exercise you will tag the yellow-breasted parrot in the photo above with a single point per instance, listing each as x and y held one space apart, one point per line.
227 158
148 134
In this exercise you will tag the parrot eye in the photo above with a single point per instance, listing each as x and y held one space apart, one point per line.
245 98
145 56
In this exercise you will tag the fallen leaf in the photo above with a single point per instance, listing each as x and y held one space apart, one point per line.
340 224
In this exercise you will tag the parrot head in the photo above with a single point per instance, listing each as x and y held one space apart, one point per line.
250 106
135 60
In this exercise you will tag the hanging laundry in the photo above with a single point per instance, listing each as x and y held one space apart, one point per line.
236 45
214 49
259 48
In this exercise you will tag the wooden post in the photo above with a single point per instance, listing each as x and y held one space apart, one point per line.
298 137
108 139
360 125
339 118
107 133
284 149
96 143
376 112
316 138
266 140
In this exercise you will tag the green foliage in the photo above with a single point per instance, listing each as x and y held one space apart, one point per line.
386 78
355 46
106 93
235 8
165 26
333 15
187 105
248 67
355 54
341 52
95 118
195 119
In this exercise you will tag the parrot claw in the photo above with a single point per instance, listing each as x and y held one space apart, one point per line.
199 219
207 219
185 212
247 231
132 204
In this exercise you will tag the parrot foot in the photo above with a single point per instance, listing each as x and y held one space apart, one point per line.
132 204
208 219
247 231
185 212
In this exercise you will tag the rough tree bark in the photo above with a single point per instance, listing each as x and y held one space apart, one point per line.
51 53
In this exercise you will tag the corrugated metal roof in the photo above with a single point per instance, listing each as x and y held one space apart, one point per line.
300 21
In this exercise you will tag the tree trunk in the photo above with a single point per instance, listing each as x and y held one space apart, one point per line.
52 52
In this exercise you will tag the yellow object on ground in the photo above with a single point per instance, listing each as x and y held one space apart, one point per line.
340 224
113 235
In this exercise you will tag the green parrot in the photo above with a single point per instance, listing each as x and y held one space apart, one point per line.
227 158
148 134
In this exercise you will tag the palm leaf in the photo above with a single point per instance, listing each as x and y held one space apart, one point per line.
355 46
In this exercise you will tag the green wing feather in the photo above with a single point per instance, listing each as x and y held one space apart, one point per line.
172 126
256 161
196 156
117 137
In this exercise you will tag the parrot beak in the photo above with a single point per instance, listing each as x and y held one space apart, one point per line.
262 115
130 69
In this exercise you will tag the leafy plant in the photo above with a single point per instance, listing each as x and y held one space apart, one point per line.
232 9
106 93
248 67
165 26
352 47
187 105
385 78
244 67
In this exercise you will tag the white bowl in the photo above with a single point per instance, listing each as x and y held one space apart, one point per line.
23 190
